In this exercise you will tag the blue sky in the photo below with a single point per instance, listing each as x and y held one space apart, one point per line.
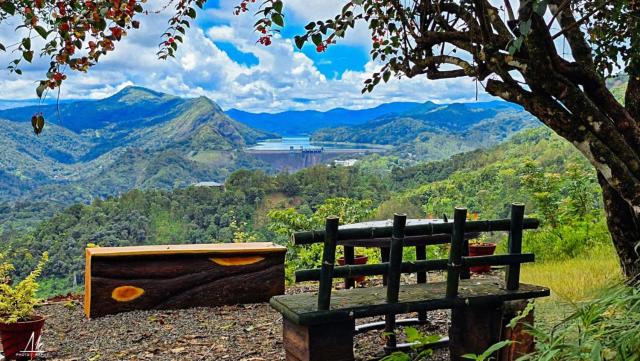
221 60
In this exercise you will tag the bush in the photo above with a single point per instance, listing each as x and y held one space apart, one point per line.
17 303
607 328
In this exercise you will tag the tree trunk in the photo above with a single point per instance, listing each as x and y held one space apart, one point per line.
624 228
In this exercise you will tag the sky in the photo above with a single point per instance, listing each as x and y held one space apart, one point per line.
221 60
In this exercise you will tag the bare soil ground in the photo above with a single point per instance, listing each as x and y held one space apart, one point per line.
250 332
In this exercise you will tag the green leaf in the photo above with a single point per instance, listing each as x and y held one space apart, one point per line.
191 13
525 27
2 47
40 89
495 347
540 7
27 55
41 31
471 356
277 19
8 7
277 6
26 43
386 76
316 39
299 40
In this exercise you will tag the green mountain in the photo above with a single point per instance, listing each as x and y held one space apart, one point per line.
535 167
300 122
136 138
433 131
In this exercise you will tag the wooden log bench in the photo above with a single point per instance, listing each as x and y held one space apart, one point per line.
320 326
119 279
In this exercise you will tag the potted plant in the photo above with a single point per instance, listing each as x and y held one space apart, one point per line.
357 259
20 327
481 247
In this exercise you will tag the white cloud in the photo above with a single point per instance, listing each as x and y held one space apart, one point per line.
280 79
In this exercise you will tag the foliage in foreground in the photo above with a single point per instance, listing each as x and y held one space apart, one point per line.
604 329
17 303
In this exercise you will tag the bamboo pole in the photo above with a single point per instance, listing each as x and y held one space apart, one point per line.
414 266
393 278
512 275
455 253
328 261
421 255
310 237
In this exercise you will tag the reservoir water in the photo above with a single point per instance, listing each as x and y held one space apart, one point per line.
295 153
305 143
285 144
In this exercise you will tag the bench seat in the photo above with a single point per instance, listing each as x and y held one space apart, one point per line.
301 309
120 279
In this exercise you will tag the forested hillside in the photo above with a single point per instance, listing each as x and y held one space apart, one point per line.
135 139
535 167
435 131
301 122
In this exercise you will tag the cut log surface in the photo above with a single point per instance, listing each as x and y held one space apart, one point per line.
122 279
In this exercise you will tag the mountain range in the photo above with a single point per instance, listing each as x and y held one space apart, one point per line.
304 122
136 138
432 131
140 138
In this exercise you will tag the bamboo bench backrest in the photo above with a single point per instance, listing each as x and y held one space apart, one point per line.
457 265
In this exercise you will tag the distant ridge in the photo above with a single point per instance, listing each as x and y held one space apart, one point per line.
305 122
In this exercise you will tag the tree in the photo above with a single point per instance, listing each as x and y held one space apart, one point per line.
517 56
521 60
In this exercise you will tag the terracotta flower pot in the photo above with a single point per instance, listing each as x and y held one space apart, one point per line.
481 249
358 259
20 340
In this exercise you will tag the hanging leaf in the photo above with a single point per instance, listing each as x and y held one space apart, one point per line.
40 89
316 38
277 19
277 6
8 7
300 40
37 122
41 31
27 55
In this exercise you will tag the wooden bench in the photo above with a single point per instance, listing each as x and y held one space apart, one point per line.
119 279
321 326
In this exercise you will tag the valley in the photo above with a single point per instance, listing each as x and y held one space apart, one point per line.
119 170
142 139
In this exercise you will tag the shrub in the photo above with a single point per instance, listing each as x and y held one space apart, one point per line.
604 329
18 303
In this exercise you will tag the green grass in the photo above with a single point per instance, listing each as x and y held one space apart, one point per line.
571 281
576 279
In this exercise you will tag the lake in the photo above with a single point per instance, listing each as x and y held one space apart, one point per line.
286 143
286 153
